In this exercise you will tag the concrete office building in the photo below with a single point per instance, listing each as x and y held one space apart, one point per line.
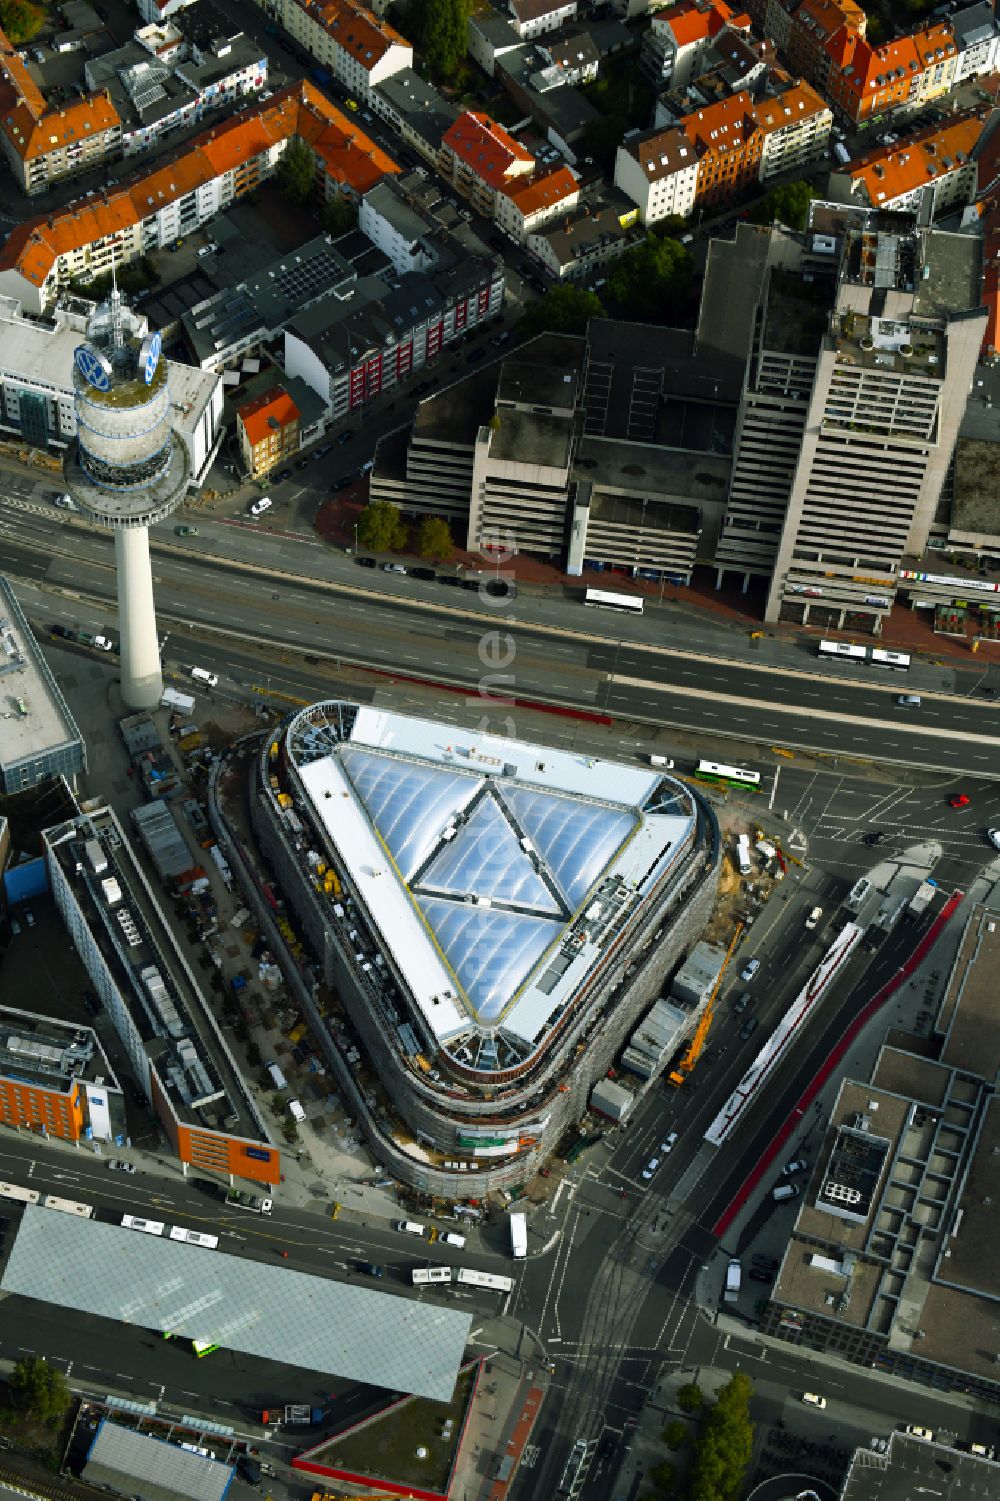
39 738
178 1055
127 470
494 916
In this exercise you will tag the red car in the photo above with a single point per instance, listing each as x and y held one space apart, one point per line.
958 801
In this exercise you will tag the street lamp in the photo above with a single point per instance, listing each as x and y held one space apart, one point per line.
355 538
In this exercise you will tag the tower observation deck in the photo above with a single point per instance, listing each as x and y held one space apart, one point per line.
127 470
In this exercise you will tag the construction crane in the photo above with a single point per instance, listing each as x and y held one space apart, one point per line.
694 1048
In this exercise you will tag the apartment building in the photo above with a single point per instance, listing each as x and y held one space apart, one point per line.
41 256
893 373
531 18
936 167
267 431
729 145
359 48
481 159
977 37
588 239
658 170
42 144
678 39
528 203
795 125
416 112
820 35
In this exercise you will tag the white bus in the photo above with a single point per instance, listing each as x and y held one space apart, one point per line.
148 1227
21 1195
68 1206
727 776
194 1237
484 1279
422 1275
843 649
897 660
629 604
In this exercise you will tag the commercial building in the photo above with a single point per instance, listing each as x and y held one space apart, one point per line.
40 739
494 917
56 1079
36 385
890 1263
41 256
178 1054
267 431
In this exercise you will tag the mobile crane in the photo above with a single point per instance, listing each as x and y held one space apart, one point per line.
694 1048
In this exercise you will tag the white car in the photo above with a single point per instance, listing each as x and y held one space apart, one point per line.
669 1144
925 1433
813 1399
993 835
749 970
650 1168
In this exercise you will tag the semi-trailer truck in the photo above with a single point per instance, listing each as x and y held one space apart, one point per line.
253 1202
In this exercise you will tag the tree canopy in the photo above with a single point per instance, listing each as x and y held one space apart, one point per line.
338 215
20 20
381 527
296 172
39 1389
441 29
788 204
723 1451
652 282
434 541
562 310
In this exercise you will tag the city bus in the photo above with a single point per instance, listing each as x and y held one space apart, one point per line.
897 660
148 1227
20 1195
728 776
194 1237
629 604
422 1275
68 1206
484 1279
844 650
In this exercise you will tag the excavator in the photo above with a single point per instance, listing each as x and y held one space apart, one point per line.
698 1038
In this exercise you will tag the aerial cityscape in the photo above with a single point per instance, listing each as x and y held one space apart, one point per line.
499 750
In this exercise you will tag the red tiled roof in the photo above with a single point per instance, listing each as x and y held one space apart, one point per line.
892 171
485 147
727 122
533 193
800 102
260 416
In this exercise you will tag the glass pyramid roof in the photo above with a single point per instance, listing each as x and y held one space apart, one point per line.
409 804
576 840
490 951
486 858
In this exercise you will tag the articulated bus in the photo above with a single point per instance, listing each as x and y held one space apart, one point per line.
68 1206
148 1227
484 1279
20 1195
194 1237
422 1275
843 649
728 776
898 660
629 604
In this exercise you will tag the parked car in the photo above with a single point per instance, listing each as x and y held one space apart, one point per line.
748 1028
669 1144
117 1165
769 1263
370 1268
365 562
812 921
15 926
749 970
29 917
915 1432
345 436
759 1275
650 1168
206 1186
427 574
791 1168
393 567
993 835
186 531
742 1002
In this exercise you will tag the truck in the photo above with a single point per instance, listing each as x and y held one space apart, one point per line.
183 703
256 1205
743 854
921 899
292 1412
519 1236
734 1276
840 153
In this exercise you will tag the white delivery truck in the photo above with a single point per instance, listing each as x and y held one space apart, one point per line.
519 1236
734 1276
183 703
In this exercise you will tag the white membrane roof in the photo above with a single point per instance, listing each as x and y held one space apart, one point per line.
473 854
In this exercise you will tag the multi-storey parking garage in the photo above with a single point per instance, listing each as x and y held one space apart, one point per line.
493 916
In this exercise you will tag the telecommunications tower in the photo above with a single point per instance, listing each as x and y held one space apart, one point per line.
127 470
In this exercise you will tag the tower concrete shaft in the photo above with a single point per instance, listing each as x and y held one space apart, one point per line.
141 675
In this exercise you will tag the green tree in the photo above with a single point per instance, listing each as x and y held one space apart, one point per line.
675 1434
664 1478
652 282
435 539
722 1453
20 20
338 215
690 1397
381 527
296 173
562 310
443 30
39 1389
788 204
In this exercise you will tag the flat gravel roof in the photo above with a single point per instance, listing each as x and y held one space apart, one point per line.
277 1314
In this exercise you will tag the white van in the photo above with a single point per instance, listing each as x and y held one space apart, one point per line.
260 506
909 700
277 1077
451 1239
785 1191
202 675
296 1112
409 1227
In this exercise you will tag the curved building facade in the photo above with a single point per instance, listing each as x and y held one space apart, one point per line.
494 917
